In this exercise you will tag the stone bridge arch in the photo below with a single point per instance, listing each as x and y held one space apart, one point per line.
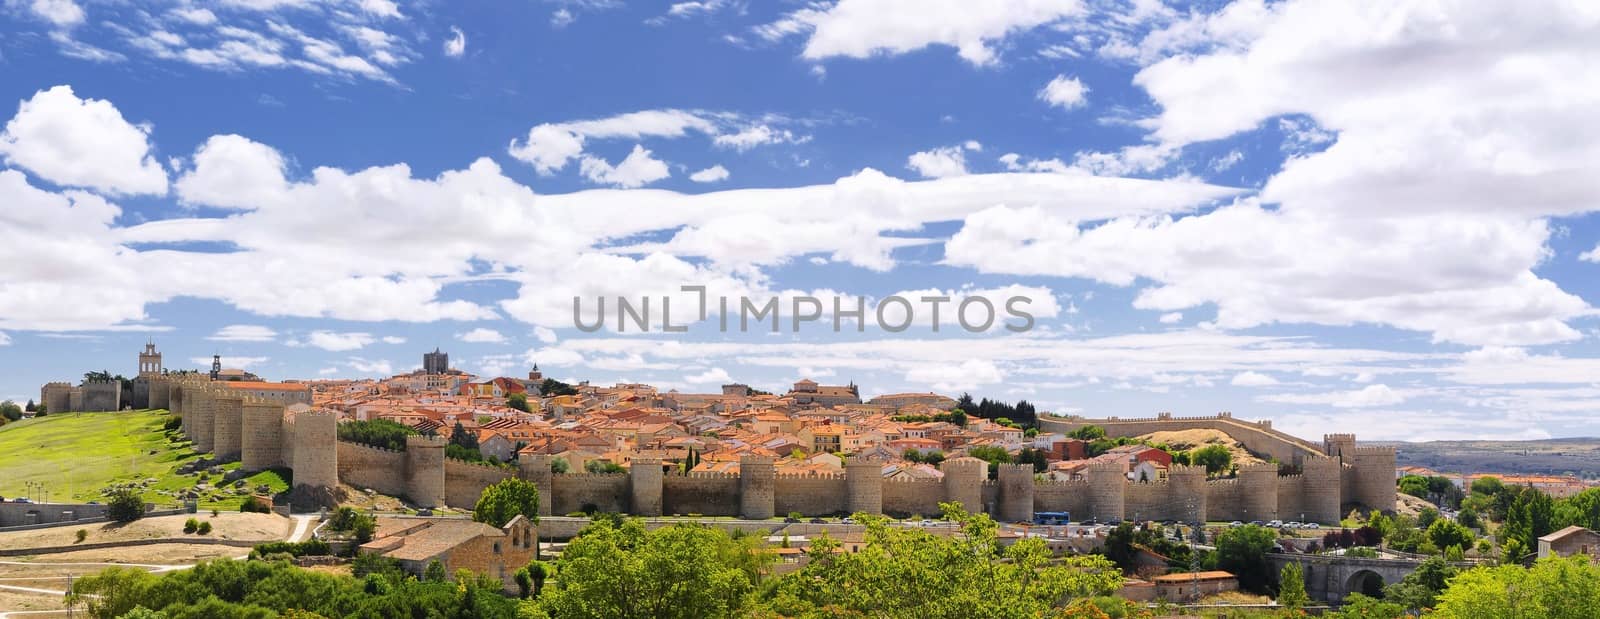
1335 577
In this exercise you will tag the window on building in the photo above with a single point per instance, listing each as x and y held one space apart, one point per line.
497 547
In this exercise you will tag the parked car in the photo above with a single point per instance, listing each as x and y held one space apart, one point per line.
791 520
818 521
1236 523
21 500
1313 525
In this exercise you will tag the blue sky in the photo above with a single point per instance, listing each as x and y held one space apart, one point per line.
1344 216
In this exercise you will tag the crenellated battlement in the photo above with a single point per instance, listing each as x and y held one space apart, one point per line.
1375 451
702 475
811 475
355 445
426 442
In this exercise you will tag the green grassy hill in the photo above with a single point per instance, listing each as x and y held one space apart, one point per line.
76 455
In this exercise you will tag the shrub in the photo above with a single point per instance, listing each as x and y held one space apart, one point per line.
174 422
190 525
310 548
251 504
205 528
125 505
82 534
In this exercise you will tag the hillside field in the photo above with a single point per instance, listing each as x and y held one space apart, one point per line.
76 455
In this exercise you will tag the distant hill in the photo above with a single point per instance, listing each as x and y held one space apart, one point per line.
1558 456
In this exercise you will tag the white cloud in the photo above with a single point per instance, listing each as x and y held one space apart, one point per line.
758 135
375 367
1252 379
5 340
710 175
1592 255
1064 92
1365 397
335 341
939 162
231 363
864 28
550 146
456 45
82 143
1171 318
481 335
970 374
231 171
194 15
244 333
61 13
715 376
1227 161
328 371
544 335
639 168
393 339
561 18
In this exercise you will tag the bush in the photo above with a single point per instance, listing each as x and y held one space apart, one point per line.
205 528
310 548
174 422
82 534
251 504
125 505
190 525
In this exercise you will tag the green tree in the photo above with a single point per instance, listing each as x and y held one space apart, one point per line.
1414 485
112 592
1487 486
518 401
461 437
1445 533
434 572
602 466
625 572
1422 586
1358 606
906 572
1554 588
507 499
10 410
381 433
1216 458
1292 588
124 504
1243 550
1088 433
559 466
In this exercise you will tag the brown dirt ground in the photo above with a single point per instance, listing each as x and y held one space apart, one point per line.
16 600
234 525
1190 439
159 554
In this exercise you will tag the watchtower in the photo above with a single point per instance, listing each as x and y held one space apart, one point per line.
261 440
536 468
1341 446
1108 484
644 486
1188 483
424 470
200 402
149 360
316 454
1258 488
1016 492
1321 491
863 484
963 482
228 421
757 487
1374 477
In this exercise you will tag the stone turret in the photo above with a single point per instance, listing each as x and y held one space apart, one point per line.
425 470
536 468
1374 477
160 392
1189 485
201 404
1339 445
758 482
1016 493
1258 489
963 481
316 457
1108 484
56 397
261 443
227 423
1320 492
644 486
863 483
178 408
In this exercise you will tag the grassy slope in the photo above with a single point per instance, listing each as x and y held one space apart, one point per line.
75 455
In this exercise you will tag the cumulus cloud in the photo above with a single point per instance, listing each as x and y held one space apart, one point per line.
1252 379
456 45
482 335
1064 92
231 362
864 28
710 175
60 13
550 146
639 168
335 341
1365 397
82 143
941 162
244 333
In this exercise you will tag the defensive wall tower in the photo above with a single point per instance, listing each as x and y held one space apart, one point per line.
101 395
1320 490
56 397
75 400
1108 483
1188 485
178 387
316 453
758 483
424 470
1339 445
160 392
644 486
963 481
536 468
261 437
1258 489
1016 492
227 421
201 403
1374 477
863 483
